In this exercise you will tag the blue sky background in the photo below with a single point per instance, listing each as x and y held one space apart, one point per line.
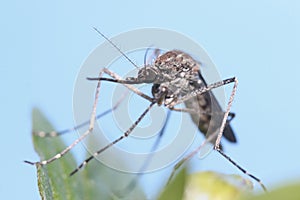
43 45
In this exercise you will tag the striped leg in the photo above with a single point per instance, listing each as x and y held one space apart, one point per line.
126 134
92 122
86 133
59 133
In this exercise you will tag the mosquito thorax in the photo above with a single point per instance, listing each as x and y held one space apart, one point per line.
176 75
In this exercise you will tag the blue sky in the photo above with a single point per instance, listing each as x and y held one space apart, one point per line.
44 44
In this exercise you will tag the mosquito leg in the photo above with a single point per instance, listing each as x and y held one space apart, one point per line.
90 129
212 136
126 134
190 155
219 136
146 163
217 144
59 133
92 119
242 169
221 133
203 90
208 88
209 139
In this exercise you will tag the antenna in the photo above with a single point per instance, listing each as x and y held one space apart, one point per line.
123 54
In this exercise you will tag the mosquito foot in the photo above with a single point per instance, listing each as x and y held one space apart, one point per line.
31 163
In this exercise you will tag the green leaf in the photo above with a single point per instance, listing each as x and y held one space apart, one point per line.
53 179
175 189
213 186
290 192
96 181
206 185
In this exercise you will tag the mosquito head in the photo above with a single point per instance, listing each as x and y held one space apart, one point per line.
146 74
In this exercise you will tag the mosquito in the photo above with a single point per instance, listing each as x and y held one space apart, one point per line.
176 79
